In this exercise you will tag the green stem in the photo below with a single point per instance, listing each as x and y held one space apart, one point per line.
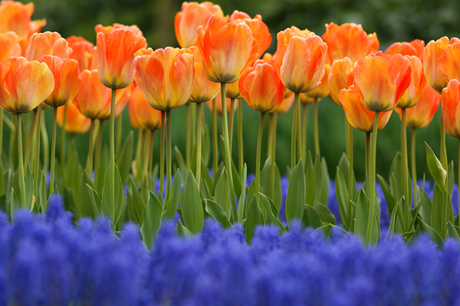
1 133
367 153
315 126
371 179
215 149
304 131
258 153
192 126
240 137
458 183
53 150
294 129
139 155
270 135
404 174
26 128
112 155
119 130
89 163
228 157
230 123
413 166
162 153
168 153
443 146
145 163
31 137
63 143
299 132
188 130
97 157
152 134
198 144
44 137
36 162
22 183
350 160
273 152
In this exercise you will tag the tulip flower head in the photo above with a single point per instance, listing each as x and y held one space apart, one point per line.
115 56
450 110
415 48
48 43
382 79
339 77
24 85
192 16
449 61
261 87
16 16
258 28
75 123
148 117
9 46
226 48
165 77
82 52
411 95
322 89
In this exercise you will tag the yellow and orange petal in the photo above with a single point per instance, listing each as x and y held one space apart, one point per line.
75 123
414 48
9 46
339 77
322 89
16 17
258 28
450 110
449 61
148 117
82 51
48 43
411 95
286 104
93 97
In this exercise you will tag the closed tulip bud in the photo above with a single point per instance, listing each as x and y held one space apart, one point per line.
219 104
226 48
339 77
358 116
24 85
283 38
48 43
422 113
82 51
115 56
414 48
75 123
16 16
450 109
303 63
382 79
165 77
148 117
411 95
349 40
66 80
432 54
258 28
261 87
9 46
192 16
322 89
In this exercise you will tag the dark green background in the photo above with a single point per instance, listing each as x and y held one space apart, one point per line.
395 20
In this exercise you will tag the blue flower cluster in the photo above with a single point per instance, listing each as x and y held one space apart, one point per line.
47 260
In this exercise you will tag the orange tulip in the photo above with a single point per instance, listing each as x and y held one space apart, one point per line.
432 54
411 95
66 80
261 87
226 48
121 100
283 38
322 89
192 16
165 77
16 17
24 85
9 46
115 56
450 109
358 116
306 99
232 91
93 98
449 61
422 113
303 63
148 117
258 28
82 51
286 104
219 104
48 43
382 79
341 72
75 123
349 40
107 30
415 48
203 89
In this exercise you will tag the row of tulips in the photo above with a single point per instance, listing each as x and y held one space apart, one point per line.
227 54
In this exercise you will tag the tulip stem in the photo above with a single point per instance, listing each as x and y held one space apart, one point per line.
367 153
413 166
26 128
162 153
304 131
258 153
273 156
89 163
215 149
119 130
458 183
350 160
371 179
36 163
145 163
315 125
97 155
31 138
22 183
44 136
198 144
152 134
294 129
228 157
140 139
53 150
1 133
192 127
240 137
112 156
188 131
230 123
168 153
404 174
443 146
299 130
63 144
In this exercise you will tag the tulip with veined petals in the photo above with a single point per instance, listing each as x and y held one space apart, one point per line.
415 48
75 122
258 28
48 43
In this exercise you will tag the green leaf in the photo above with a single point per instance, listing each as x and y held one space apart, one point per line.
344 166
115 209
96 202
70 200
319 180
84 207
310 182
242 199
217 213
450 178
251 192
361 218
253 219
423 227
180 160
273 192
2 180
14 204
341 191
126 157
311 217
170 208
3 204
205 145
103 164
42 200
438 173
396 182
387 193
135 203
221 195
295 198
151 217
236 181
438 218
206 182
266 203
326 215
182 230
29 188
325 181
453 231
190 202
393 220
425 207
216 178
327 230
